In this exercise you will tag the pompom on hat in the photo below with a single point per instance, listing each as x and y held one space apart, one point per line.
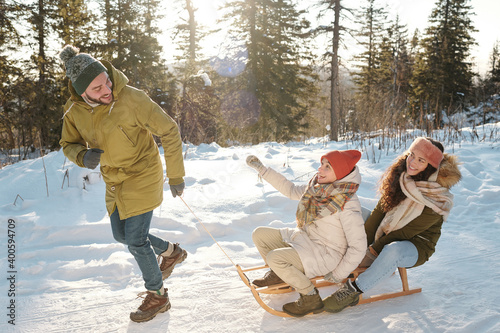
342 161
430 152
81 68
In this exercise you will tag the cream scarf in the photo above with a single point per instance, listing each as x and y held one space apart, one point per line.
418 195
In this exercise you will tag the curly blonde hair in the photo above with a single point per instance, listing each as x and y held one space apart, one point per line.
390 189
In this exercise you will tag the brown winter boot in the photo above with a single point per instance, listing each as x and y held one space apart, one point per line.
153 304
269 279
304 305
167 263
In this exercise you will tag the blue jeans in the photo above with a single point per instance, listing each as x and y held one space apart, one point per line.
393 255
134 232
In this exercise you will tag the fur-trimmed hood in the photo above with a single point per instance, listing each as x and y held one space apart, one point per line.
449 174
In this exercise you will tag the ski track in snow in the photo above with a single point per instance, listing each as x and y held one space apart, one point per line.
73 277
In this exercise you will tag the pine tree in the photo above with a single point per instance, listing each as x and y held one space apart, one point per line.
44 102
443 75
336 30
197 107
403 60
276 83
393 74
75 24
188 35
130 43
10 43
494 72
131 40
489 84
371 95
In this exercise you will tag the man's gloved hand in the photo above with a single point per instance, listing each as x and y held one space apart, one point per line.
177 189
92 157
330 278
255 163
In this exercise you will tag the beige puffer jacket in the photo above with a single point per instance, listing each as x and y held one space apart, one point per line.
131 164
335 243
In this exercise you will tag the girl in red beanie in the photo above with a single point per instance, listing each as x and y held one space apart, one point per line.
329 238
404 227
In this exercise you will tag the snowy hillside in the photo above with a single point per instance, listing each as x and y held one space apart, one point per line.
71 276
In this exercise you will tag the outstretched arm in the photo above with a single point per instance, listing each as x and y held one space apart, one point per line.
277 180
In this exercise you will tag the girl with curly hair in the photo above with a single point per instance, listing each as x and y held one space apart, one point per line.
404 227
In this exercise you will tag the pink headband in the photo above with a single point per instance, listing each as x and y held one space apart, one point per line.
431 153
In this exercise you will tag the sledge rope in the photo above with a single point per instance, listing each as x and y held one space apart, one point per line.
208 232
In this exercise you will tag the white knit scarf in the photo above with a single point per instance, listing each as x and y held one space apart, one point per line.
418 195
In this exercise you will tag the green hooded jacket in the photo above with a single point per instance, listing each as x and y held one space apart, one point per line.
424 231
130 165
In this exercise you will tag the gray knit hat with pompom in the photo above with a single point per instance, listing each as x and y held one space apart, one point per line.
81 68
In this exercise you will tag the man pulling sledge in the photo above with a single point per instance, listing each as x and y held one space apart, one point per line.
108 122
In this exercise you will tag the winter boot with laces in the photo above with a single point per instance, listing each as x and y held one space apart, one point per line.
269 279
305 305
168 262
346 296
155 302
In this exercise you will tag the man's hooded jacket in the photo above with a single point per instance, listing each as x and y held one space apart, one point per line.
130 165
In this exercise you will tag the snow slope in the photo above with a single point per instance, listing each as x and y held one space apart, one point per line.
71 276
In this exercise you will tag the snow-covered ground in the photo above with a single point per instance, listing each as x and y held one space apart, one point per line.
71 276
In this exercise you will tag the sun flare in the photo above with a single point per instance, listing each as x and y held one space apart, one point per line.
206 13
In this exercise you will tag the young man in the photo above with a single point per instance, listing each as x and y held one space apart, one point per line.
108 122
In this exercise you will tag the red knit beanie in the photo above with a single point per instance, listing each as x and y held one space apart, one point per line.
431 153
342 161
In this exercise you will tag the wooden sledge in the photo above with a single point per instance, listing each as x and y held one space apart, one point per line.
318 282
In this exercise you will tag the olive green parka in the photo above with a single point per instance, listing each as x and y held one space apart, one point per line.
424 231
130 165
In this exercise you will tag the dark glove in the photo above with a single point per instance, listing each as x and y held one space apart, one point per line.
177 189
92 157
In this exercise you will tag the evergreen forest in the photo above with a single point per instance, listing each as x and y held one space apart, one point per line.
270 83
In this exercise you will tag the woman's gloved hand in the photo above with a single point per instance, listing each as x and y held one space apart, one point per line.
255 163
